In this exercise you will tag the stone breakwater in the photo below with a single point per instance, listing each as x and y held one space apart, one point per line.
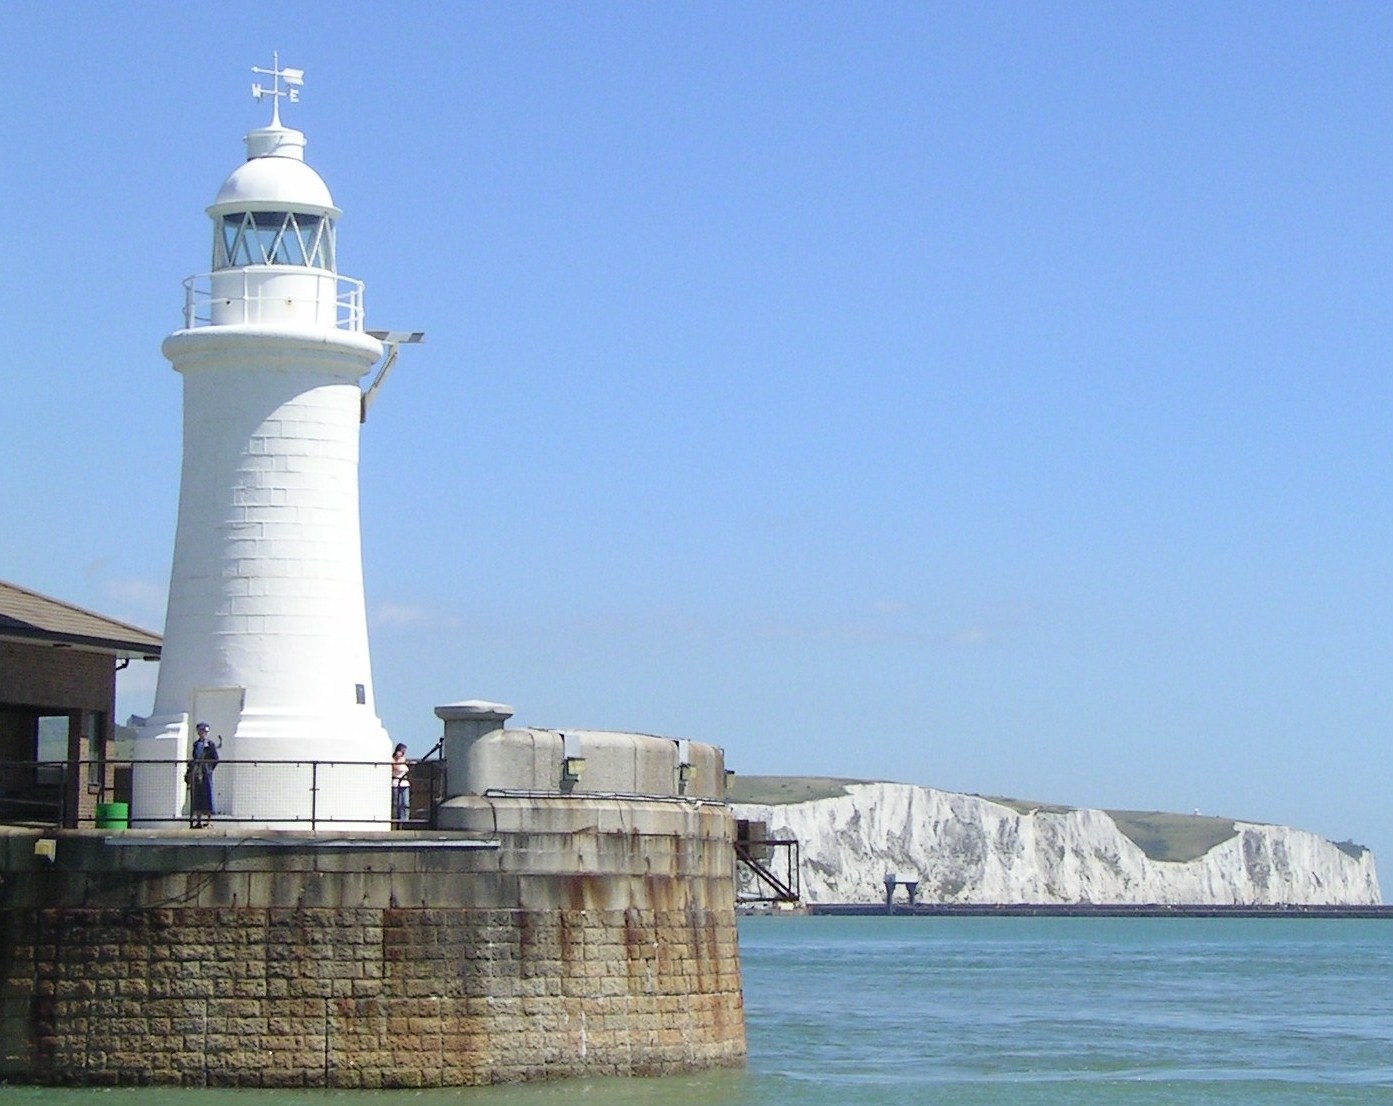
963 848
570 938
364 998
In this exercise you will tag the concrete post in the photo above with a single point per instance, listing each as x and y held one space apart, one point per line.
466 723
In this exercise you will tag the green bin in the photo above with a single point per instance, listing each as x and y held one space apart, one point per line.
113 816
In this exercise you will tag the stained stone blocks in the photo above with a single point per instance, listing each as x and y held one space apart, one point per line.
424 961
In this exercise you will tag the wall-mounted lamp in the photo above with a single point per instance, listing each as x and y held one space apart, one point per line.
572 758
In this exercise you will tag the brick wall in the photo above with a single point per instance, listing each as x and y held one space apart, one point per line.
70 679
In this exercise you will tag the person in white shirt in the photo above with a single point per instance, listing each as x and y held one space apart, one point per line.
401 786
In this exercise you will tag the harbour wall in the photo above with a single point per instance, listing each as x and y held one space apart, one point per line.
413 962
556 924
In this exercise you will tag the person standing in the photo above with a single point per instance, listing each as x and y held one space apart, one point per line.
401 787
200 777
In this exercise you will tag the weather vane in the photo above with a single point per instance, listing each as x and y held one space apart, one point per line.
294 79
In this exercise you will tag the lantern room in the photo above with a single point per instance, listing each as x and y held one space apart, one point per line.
274 249
274 209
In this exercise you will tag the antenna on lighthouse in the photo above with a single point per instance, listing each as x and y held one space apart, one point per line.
294 79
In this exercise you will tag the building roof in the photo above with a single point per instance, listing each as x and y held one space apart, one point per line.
27 616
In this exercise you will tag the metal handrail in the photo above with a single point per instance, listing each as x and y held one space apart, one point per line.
199 298
50 793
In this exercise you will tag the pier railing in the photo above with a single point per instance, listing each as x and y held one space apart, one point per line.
98 794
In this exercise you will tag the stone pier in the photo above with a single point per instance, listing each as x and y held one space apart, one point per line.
419 961
559 928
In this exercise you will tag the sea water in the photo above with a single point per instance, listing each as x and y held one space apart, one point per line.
1009 1011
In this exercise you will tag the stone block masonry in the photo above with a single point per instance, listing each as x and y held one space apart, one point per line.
409 997
407 964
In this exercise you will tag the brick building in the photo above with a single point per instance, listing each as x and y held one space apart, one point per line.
58 666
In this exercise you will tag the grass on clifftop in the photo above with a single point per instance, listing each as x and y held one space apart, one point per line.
1165 837
779 790
1177 837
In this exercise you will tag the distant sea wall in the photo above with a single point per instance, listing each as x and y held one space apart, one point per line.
967 849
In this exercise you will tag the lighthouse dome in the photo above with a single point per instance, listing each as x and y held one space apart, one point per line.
274 177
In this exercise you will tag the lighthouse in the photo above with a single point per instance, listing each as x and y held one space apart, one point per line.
266 626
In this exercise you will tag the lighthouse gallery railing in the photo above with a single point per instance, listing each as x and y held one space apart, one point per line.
244 296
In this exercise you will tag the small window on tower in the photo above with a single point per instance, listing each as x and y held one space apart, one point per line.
311 228
268 229
227 242
291 249
326 250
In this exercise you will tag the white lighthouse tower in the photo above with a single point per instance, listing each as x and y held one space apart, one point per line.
266 628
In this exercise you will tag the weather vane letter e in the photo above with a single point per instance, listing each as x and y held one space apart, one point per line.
294 79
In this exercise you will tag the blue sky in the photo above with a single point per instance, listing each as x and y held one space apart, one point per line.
993 397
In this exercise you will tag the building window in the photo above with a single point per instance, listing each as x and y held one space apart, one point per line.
51 748
94 748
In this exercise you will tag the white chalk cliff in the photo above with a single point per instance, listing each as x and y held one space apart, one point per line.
967 849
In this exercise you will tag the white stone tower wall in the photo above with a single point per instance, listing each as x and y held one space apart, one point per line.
267 584
266 591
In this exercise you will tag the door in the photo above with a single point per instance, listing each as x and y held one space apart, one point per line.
221 708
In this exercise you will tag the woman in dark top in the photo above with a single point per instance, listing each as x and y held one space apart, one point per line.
200 777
